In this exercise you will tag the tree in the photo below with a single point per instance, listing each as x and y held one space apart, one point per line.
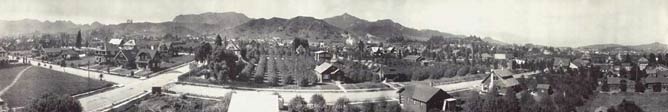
628 106
639 87
297 104
318 103
474 103
78 41
203 51
219 41
51 102
513 105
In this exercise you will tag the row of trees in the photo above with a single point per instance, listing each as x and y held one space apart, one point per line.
298 104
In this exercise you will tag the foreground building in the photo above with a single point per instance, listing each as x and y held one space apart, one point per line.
250 102
421 98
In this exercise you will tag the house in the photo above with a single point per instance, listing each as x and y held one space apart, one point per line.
3 55
619 84
500 56
422 98
414 58
69 54
50 53
322 55
105 53
389 73
126 58
254 102
642 63
147 59
503 79
544 88
657 81
327 72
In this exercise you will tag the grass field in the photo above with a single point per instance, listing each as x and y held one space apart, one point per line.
649 102
37 81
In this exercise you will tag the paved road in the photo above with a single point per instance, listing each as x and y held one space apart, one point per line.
83 73
330 97
130 86
108 98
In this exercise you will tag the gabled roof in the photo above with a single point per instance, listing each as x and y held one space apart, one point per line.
543 86
150 52
116 41
419 92
412 57
323 67
643 60
50 50
659 79
503 72
2 49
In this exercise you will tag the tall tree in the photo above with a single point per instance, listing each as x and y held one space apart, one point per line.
78 41
219 41
203 51
318 103
297 104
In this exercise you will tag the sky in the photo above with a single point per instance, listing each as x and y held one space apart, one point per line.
544 22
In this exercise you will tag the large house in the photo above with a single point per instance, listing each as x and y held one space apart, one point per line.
327 72
105 53
147 59
421 98
657 80
502 79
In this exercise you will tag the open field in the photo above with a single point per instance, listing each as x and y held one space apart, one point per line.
37 81
649 102
8 73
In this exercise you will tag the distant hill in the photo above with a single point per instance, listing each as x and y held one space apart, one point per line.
382 28
28 26
651 47
494 42
300 27
226 19
236 25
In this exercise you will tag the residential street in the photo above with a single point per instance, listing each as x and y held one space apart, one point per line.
132 87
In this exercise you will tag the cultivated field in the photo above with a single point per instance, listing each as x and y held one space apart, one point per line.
649 102
37 81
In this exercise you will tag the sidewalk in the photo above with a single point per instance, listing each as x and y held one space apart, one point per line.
85 73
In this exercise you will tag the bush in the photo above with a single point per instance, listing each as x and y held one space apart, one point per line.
51 102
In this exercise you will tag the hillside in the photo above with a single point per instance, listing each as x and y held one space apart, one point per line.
300 27
651 47
226 19
385 28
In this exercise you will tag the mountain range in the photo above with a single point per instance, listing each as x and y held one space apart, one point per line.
234 24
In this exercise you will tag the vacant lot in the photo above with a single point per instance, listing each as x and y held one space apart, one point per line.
37 81
8 73
649 102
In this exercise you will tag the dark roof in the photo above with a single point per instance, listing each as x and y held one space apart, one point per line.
543 86
503 73
419 92
614 80
412 57
150 52
659 79
52 50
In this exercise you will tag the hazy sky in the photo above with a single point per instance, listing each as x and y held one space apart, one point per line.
548 22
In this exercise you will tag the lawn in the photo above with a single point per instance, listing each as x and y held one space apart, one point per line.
37 81
649 102
9 73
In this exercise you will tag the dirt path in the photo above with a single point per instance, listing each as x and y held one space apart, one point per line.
16 79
